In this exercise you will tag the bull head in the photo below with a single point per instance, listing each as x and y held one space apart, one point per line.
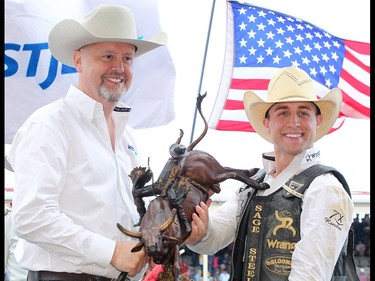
153 239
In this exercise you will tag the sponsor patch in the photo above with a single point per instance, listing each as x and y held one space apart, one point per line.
335 220
279 265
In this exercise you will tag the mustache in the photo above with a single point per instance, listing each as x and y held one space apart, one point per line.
118 74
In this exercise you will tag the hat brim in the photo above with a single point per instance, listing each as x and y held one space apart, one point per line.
329 105
63 43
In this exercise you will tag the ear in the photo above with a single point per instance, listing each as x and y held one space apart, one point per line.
319 119
77 60
266 124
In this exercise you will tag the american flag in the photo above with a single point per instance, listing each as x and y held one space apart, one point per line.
260 41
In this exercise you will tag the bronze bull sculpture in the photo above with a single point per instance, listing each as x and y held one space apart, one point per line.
188 178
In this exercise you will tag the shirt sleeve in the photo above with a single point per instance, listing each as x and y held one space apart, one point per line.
327 213
38 218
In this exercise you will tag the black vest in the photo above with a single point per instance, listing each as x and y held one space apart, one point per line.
270 228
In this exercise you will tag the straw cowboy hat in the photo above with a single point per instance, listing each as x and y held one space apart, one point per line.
292 84
106 23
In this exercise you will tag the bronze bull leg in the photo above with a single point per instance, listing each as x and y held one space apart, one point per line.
243 176
176 266
140 176
176 195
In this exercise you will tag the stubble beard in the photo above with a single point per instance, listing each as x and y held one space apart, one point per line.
111 95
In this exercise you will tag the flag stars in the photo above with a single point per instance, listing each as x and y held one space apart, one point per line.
271 22
326 34
242 11
317 46
243 59
252 51
308 48
290 28
323 70
325 57
316 58
270 35
269 51
289 40
305 60
273 39
300 26
252 18
336 44
243 42
242 26
328 83
276 60
260 59
280 31
327 45
261 42
281 19
295 63
290 19
279 44
299 37
332 69
313 72
252 34
287 54
318 35
309 36
262 14
261 26
334 56
297 50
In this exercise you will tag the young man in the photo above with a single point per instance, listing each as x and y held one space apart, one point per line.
72 158
279 234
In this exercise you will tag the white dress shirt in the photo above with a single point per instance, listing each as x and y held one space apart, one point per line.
71 188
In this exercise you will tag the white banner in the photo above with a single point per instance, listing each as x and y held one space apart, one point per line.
34 78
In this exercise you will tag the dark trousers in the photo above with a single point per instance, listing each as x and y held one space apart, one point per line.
63 276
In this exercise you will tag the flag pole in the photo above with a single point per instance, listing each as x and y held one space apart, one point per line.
203 66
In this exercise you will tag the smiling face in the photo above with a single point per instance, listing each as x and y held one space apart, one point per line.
292 126
106 70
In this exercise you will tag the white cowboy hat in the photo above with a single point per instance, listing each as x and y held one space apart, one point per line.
292 84
106 23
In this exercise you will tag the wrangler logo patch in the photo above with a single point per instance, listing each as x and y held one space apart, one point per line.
285 222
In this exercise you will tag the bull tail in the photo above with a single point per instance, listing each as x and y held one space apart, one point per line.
199 107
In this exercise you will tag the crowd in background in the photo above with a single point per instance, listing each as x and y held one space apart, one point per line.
219 265
361 227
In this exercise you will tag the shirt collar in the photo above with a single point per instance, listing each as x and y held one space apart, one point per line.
305 158
91 109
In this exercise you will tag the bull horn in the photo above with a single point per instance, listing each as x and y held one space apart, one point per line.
134 234
168 223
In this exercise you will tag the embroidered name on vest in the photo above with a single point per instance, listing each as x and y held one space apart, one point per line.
252 253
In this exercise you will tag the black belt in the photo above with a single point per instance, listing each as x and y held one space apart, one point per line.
63 276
